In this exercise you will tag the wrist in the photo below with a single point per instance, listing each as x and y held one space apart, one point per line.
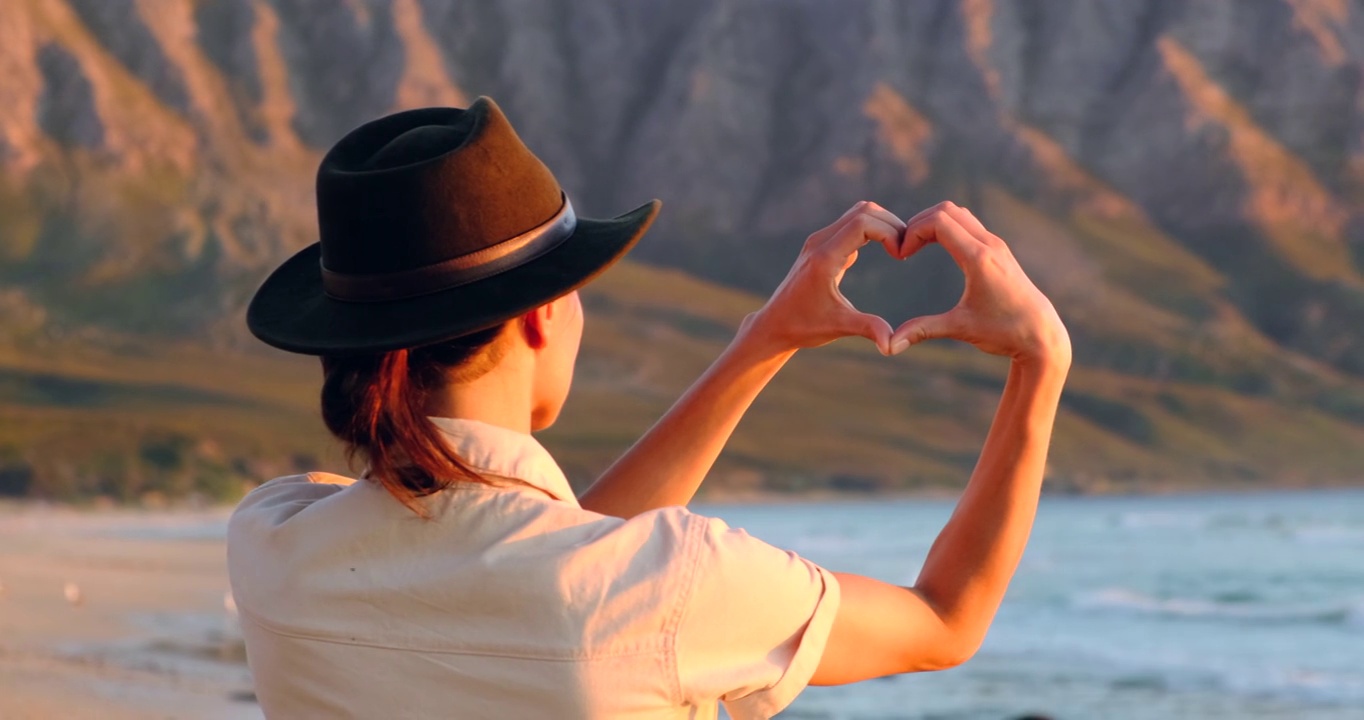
1045 362
757 337
1050 348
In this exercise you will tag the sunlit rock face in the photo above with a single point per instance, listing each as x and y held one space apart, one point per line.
1176 173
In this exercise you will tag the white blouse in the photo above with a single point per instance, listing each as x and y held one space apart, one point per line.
513 601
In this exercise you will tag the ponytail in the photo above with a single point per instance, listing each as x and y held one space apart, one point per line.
377 406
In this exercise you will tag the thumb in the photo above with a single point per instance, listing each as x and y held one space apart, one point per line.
926 327
873 328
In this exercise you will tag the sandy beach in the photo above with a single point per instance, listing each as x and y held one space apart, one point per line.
1183 607
117 614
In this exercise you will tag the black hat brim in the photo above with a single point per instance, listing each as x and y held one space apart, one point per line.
290 310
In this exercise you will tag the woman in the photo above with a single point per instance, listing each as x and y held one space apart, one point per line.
462 578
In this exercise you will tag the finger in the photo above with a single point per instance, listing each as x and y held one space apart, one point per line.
966 218
940 227
858 231
819 237
884 214
865 207
847 263
973 225
926 327
892 220
942 206
872 327
892 249
912 244
889 218
963 216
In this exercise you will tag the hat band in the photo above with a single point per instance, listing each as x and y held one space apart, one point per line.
456 271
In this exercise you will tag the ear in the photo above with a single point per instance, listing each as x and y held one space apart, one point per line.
536 325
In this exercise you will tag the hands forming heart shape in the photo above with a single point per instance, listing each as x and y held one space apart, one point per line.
1000 312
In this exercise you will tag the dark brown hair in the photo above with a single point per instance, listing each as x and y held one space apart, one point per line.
378 405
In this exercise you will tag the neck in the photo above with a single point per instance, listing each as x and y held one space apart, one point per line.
501 397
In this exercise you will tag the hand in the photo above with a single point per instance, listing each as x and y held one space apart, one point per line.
1001 312
807 309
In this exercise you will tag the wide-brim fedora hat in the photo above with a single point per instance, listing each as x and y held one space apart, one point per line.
433 223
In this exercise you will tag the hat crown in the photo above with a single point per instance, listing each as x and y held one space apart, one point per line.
421 187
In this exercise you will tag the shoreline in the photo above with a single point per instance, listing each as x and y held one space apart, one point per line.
183 511
770 497
151 634
117 614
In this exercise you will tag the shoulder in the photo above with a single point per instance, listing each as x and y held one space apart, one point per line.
721 551
279 500
302 486
672 537
688 549
284 526
701 539
704 537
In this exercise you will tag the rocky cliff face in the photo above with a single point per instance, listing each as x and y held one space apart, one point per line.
1185 177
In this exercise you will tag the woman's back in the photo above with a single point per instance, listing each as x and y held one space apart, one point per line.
444 285
512 601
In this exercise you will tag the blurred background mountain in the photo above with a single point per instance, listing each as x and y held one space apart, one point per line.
1185 178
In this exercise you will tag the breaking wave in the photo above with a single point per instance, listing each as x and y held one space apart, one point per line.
1243 609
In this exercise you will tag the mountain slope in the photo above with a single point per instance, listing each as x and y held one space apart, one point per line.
1182 178
128 418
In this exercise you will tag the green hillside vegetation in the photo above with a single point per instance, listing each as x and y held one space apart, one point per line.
138 419
1202 240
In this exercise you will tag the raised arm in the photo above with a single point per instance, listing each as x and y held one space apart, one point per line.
882 629
667 464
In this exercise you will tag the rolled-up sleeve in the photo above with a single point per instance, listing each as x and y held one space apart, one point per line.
753 624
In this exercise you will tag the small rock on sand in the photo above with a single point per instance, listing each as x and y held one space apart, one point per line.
73 594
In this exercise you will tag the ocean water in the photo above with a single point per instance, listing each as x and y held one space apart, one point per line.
1202 607
1196 607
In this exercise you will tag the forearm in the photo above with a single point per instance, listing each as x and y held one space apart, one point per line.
970 564
666 466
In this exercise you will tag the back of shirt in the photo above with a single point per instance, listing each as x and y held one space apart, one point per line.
506 602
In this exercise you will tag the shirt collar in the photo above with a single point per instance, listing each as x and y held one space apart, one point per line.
506 453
